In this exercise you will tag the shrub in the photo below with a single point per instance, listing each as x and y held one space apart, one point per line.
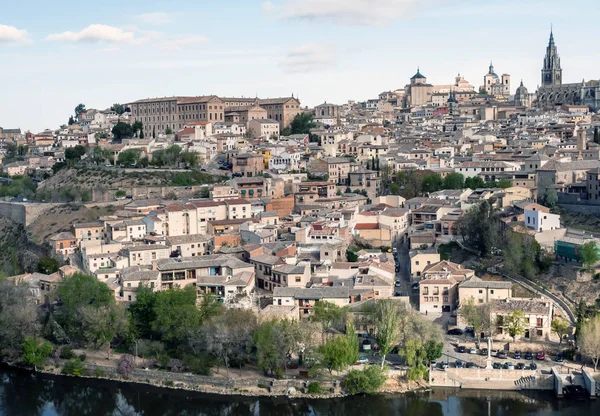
314 388
199 364
82 357
262 386
369 380
126 365
100 372
168 383
74 368
66 353
176 366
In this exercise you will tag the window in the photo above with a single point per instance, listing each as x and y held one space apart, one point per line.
492 291
480 300
480 291
445 299
298 279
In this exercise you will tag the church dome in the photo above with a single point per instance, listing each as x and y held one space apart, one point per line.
418 75
521 91
491 71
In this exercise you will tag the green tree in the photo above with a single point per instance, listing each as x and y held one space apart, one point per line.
550 198
580 318
560 327
329 315
36 351
138 129
270 354
431 183
472 315
387 326
286 131
78 291
480 227
78 110
48 265
189 158
454 180
168 130
504 183
130 157
433 350
588 255
103 325
352 340
367 381
513 252
336 353
474 182
75 152
351 256
514 323
122 131
120 109
302 123
597 135
71 120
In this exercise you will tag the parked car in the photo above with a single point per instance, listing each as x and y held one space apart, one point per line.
415 287
461 349
496 366
509 366
394 249
444 364
455 331
473 350
528 356
517 355
540 355
460 364
397 284
501 354
533 366
559 359
519 366
363 360
470 364
483 351
433 363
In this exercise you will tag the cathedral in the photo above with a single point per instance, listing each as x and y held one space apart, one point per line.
553 92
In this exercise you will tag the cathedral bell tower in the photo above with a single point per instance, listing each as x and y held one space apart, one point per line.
551 72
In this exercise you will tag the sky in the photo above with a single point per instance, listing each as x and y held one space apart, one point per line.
57 54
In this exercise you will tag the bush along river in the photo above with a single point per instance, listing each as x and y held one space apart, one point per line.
29 394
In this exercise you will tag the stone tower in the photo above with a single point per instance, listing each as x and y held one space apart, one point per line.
551 72
581 139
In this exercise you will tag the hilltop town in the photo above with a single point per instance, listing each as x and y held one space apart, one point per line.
473 209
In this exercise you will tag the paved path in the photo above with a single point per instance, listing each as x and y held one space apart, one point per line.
534 287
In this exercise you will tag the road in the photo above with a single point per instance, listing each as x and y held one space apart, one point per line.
403 275
558 302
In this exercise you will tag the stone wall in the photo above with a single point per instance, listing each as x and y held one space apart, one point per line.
24 212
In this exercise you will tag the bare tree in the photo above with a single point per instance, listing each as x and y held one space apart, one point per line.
590 340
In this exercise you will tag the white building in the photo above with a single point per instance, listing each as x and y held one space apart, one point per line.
539 218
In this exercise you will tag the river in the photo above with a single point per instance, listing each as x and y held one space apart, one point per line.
27 394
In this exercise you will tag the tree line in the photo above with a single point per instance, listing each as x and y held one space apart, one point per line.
176 331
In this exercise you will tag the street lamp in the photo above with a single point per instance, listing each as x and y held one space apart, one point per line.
136 350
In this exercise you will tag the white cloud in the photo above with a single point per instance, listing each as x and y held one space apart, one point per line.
362 12
184 41
155 19
10 34
94 34
267 6
309 57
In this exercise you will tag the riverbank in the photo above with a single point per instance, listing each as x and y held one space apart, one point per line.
248 387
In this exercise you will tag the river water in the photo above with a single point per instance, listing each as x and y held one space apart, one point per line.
27 394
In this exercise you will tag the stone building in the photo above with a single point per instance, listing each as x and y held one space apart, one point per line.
553 92
495 85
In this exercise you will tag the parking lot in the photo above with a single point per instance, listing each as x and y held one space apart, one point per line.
478 359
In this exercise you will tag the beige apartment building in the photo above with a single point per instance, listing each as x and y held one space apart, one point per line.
263 128
419 259
159 114
438 290
483 292
283 110
337 168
